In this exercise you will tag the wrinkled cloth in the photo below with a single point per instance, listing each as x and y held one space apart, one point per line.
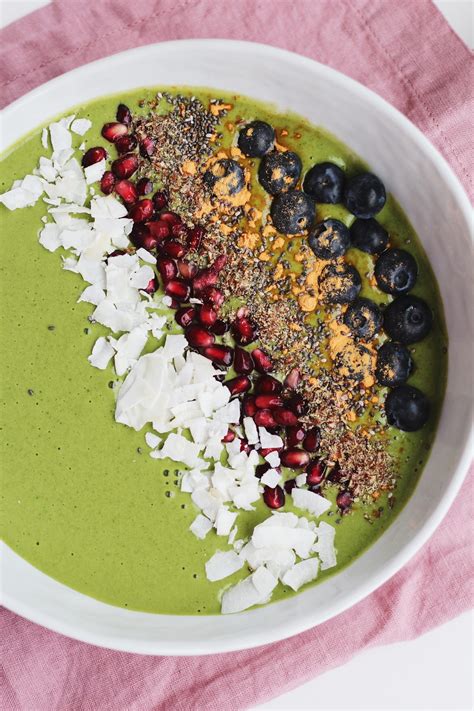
407 53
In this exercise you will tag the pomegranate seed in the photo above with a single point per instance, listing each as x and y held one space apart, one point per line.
152 286
124 114
240 384
185 316
293 379
125 144
244 446
93 155
207 315
265 451
174 304
229 437
221 355
139 234
107 182
127 191
296 404
243 331
147 146
178 288
264 418
249 407
210 275
262 361
285 417
141 211
144 186
267 384
289 485
294 458
160 200
211 295
195 236
261 469
149 242
125 166
170 217
294 435
312 439
159 229
199 337
112 131
167 268
344 501
243 362
264 402
220 327
173 248
274 498
314 472
186 269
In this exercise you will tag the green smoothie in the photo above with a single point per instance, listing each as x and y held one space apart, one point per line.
81 499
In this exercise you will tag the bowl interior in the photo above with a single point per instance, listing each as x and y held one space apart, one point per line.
438 209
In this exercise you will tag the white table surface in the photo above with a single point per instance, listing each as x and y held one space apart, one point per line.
430 673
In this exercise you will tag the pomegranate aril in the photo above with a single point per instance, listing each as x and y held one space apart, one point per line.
125 166
124 114
267 384
126 190
260 470
285 417
207 315
144 186
249 407
107 182
265 451
219 328
264 402
344 501
159 229
198 337
209 276
229 437
160 200
274 498
138 234
186 269
152 286
185 316
178 289
243 362
262 361
173 248
264 418
296 404
141 211
289 485
221 355
93 155
147 147
150 242
294 435
294 458
167 268
315 473
112 131
312 439
170 217
293 379
237 386
243 330
244 446
125 144
195 235
211 295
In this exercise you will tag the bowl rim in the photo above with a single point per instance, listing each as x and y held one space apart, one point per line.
292 627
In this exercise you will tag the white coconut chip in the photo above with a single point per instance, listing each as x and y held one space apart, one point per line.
222 564
300 479
314 503
231 540
152 440
201 526
254 590
271 478
301 573
268 440
273 458
94 172
44 138
92 295
225 519
324 546
49 237
250 429
80 126
283 537
60 137
101 354
146 256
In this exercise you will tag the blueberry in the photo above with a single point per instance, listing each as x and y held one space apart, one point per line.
339 283
225 177
364 318
407 319
364 195
279 171
407 408
329 239
394 364
292 212
369 236
256 139
325 183
396 271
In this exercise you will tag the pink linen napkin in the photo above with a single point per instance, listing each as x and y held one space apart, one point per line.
407 53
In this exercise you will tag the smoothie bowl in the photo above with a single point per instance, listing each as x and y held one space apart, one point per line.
227 373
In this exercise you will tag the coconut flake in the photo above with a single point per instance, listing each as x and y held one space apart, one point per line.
146 256
92 294
248 592
152 439
251 432
271 478
314 503
300 479
101 354
44 138
222 564
49 237
301 573
324 546
80 126
268 440
225 519
200 526
273 458
94 172
60 137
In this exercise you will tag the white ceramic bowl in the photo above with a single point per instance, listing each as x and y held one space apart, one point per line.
440 212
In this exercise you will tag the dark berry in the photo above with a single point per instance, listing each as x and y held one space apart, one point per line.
324 182
256 139
394 364
407 408
225 177
292 212
364 318
279 171
364 195
329 239
339 283
407 319
369 236
395 271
